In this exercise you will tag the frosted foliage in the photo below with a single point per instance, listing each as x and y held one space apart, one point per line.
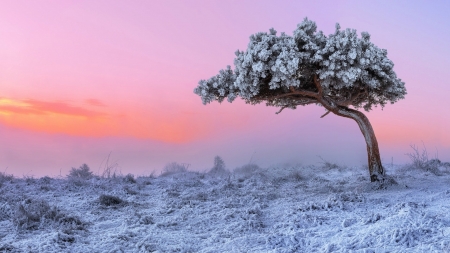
348 63
351 70
269 60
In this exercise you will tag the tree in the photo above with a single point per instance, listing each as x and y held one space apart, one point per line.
219 164
337 72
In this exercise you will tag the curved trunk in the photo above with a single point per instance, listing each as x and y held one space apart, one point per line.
373 153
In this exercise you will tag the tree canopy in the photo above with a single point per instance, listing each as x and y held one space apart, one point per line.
282 71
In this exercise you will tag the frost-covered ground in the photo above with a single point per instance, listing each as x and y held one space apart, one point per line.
279 209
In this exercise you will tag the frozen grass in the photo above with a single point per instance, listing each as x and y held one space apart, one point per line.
108 200
285 208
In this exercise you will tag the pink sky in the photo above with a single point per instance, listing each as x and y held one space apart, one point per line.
81 79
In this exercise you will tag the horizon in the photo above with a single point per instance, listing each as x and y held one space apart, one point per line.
80 80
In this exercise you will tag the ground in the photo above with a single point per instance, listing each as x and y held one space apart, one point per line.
285 208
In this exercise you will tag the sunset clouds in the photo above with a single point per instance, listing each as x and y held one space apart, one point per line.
36 107
93 118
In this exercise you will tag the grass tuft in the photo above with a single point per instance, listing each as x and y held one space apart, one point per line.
109 200
129 178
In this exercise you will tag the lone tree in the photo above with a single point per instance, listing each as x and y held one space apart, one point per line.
337 72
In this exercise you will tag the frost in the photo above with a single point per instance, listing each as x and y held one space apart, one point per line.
285 208
343 61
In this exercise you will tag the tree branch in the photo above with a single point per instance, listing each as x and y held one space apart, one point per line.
282 108
325 114
318 86
284 95
350 101
306 102
303 92
294 92
292 104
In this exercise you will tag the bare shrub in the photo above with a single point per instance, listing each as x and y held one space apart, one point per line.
419 159
83 172
173 168
110 168
326 165
109 200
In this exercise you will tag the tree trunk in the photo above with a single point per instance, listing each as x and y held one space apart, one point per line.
373 153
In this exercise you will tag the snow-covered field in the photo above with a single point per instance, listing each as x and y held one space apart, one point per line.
286 208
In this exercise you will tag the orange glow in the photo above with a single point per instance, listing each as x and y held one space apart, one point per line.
94 102
62 117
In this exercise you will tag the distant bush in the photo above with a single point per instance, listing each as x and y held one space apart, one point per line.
109 200
83 172
219 166
129 178
4 177
29 179
296 176
45 179
130 191
247 169
173 168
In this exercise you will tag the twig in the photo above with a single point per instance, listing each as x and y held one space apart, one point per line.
282 108
325 114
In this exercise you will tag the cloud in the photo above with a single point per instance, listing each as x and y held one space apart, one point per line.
38 107
54 117
9 109
90 117
95 102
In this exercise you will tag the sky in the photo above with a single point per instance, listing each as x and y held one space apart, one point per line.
81 80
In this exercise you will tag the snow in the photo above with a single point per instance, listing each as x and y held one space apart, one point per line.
344 64
285 208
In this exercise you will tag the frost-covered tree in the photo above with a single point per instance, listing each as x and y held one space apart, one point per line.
219 164
341 72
